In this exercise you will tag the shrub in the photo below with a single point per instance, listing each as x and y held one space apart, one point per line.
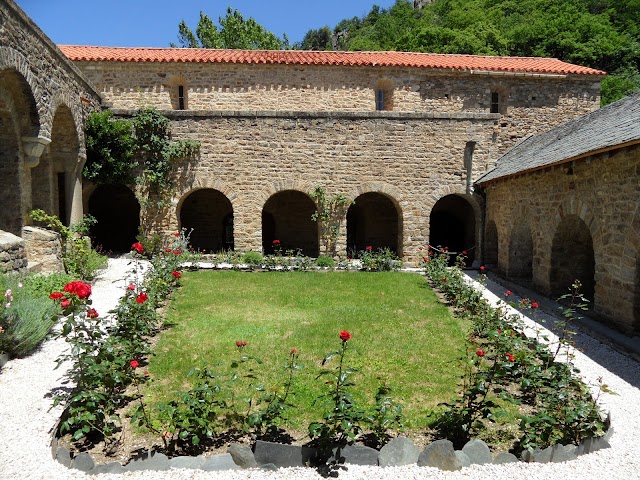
382 260
82 261
25 319
253 259
325 261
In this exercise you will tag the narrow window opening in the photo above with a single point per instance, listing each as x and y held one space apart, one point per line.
180 97
495 102
380 99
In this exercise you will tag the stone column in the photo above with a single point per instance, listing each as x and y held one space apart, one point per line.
73 187
33 148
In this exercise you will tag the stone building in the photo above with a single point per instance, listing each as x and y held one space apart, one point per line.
402 134
43 101
565 205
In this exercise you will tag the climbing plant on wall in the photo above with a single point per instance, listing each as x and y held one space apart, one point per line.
137 151
330 210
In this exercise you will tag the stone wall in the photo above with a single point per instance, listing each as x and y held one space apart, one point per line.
12 253
601 194
413 160
529 103
44 248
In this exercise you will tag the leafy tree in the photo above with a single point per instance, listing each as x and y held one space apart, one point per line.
110 145
234 32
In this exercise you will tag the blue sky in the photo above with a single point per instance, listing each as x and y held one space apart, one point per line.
154 23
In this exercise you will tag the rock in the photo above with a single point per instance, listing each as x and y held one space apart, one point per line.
478 452
590 445
83 462
464 458
186 462
563 453
149 461
398 452
357 455
216 463
270 467
113 467
242 455
529 455
278 454
544 456
607 435
440 454
63 456
505 457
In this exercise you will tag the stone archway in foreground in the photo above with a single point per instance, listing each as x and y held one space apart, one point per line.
117 211
286 217
373 220
208 214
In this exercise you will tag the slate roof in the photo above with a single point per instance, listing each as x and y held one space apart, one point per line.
613 125
531 65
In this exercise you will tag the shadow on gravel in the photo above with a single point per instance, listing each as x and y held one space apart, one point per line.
610 357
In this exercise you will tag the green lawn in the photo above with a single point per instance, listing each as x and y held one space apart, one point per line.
401 334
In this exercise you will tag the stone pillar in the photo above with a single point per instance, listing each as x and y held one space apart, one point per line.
73 180
33 148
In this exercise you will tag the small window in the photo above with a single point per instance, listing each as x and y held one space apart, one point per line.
380 99
181 102
495 102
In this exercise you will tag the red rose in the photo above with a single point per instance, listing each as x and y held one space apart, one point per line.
534 305
276 242
369 248
420 248
138 247
168 250
482 268
131 287
177 234
244 343
239 343
176 274
145 372
92 313
444 279
141 298
294 351
177 252
65 303
425 259
134 364
480 353
83 290
508 292
56 295
464 252
510 357
345 336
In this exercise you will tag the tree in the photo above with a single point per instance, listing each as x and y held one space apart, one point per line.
234 32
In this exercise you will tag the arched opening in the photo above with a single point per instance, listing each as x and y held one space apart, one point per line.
373 221
286 217
491 244
452 224
208 215
52 179
572 257
384 94
520 255
18 119
117 211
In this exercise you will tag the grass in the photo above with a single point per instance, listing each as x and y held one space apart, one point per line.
402 335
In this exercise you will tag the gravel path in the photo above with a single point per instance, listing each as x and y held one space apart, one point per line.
26 418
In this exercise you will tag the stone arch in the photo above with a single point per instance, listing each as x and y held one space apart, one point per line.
520 264
572 257
491 244
118 213
262 196
374 220
62 98
464 212
207 214
384 94
286 217
15 71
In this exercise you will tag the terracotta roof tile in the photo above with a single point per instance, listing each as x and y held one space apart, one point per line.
297 57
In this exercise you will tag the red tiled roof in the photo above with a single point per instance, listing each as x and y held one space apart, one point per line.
300 57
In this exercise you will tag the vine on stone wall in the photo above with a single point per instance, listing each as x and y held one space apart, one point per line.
137 151
330 210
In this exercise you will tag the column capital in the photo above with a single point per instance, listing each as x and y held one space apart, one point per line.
33 149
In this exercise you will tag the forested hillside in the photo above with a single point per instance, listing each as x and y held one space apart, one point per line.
603 34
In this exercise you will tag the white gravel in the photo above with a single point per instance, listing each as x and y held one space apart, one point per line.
26 418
